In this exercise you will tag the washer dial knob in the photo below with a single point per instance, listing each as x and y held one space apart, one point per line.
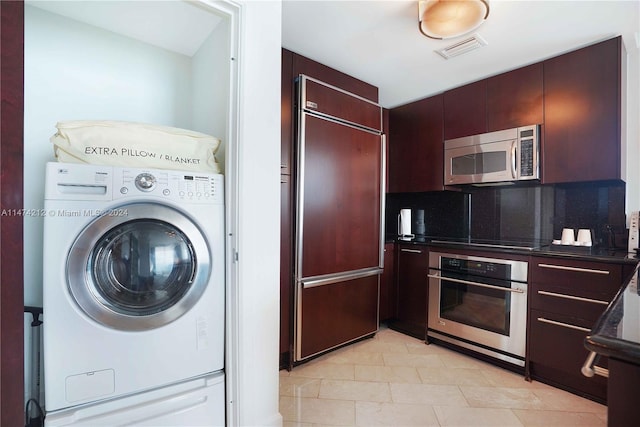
145 182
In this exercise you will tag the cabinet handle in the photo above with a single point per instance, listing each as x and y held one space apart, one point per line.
564 325
572 297
581 270
589 370
413 251
481 285
513 159
322 281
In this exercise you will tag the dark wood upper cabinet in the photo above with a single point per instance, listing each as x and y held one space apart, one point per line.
465 110
582 111
515 98
504 101
385 131
416 146
286 112
336 103
311 68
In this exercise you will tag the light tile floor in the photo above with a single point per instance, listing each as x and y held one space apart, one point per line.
396 380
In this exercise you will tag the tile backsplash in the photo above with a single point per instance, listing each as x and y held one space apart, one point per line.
519 212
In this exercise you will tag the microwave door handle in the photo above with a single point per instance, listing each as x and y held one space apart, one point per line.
514 146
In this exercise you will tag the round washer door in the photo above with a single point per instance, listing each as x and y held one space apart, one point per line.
138 267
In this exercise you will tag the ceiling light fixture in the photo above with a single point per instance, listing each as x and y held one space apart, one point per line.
444 19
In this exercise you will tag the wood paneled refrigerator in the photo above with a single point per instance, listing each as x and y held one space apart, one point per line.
339 217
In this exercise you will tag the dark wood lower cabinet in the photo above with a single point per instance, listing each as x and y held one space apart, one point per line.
286 271
387 292
412 267
566 298
337 313
557 353
624 389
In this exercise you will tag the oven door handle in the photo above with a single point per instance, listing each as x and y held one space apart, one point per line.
482 285
514 160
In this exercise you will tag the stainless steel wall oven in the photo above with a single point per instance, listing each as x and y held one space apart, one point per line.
479 303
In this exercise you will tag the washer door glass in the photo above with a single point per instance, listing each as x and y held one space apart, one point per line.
141 270
142 267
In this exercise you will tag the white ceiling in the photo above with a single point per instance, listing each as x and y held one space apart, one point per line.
178 26
379 41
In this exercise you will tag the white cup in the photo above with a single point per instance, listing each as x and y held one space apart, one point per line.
568 236
584 237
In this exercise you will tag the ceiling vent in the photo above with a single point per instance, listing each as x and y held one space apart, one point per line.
463 46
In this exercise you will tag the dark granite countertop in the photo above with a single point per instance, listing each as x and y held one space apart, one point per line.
544 249
617 332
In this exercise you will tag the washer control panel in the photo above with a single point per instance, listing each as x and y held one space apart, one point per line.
192 187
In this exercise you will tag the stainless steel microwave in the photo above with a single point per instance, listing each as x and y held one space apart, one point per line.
502 156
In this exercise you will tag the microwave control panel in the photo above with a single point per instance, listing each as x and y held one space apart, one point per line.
527 155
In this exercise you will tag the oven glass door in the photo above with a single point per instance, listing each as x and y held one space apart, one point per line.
482 305
479 300
489 162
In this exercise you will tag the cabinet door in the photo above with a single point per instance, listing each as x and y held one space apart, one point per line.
286 273
387 295
515 98
311 68
412 286
567 298
340 223
582 111
624 382
11 240
465 110
336 103
557 353
385 132
336 313
416 146
286 113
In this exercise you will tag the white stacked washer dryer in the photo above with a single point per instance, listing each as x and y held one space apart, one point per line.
133 296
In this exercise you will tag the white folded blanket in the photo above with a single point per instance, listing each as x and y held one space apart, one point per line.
119 143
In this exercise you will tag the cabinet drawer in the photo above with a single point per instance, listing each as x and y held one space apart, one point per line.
557 353
588 279
567 303
335 314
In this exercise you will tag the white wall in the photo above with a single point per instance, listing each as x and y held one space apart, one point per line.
210 81
259 214
74 71
633 126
